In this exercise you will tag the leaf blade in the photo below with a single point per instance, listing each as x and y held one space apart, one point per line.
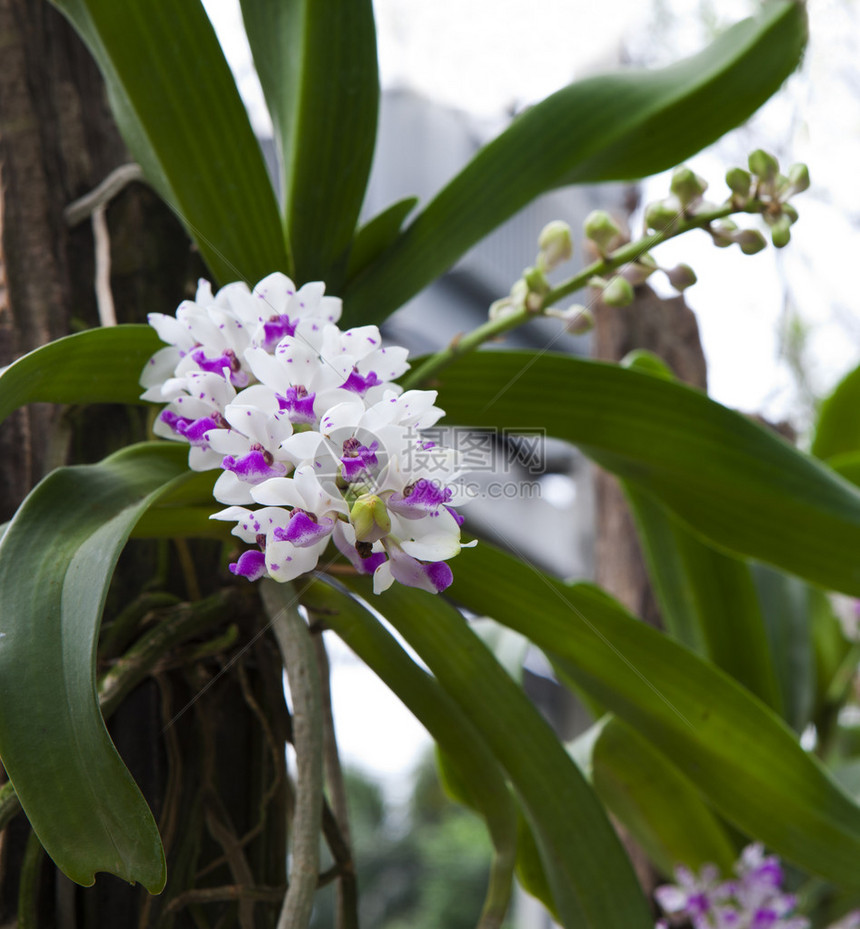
95 366
317 58
736 751
592 881
81 800
614 127
727 479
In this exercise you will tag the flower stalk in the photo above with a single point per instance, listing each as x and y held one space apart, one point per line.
667 219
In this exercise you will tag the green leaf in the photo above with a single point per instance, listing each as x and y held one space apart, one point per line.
707 599
179 111
378 234
317 65
847 465
56 562
736 751
592 882
837 429
95 366
614 127
729 480
786 607
656 802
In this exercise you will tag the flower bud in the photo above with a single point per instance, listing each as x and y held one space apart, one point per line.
681 277
535 280
687 186
763 165
780 232
602 229
513 303
789 211
555 244
739 181
723 232
369 518
640 359
578 319
618 292
751 241
798 178
662 215
637 272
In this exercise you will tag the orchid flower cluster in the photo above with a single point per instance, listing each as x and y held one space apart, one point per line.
753 900
315 441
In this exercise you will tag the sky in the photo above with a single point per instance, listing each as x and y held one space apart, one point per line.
491 57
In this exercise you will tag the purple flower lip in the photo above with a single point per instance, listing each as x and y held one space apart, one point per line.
368 560
238 378
304 529
299 405
275 329
420 499
255 467
358 459
194 430
251 565
360 384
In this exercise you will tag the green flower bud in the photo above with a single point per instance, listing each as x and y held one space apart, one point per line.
780 232
618 292
687 186
369 518
581 321
723 232
639 271
763 165
555 244
640 359
578 319
751 241
602 229
681 277
739 181
661 215
798 178
789 211
536 281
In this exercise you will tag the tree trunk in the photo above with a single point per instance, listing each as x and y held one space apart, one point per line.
211 775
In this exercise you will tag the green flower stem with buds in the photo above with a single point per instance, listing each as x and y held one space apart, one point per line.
626 254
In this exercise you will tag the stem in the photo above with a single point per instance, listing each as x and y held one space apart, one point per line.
627 254
347 889
297 650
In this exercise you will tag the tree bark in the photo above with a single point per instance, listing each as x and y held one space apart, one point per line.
58 141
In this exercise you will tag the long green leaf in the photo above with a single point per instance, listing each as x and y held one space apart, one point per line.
56 562
728 479
95 366
707 598
317 65
618 126
787 610
178 108
736 751
592 882
837 429
378 234
656 802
